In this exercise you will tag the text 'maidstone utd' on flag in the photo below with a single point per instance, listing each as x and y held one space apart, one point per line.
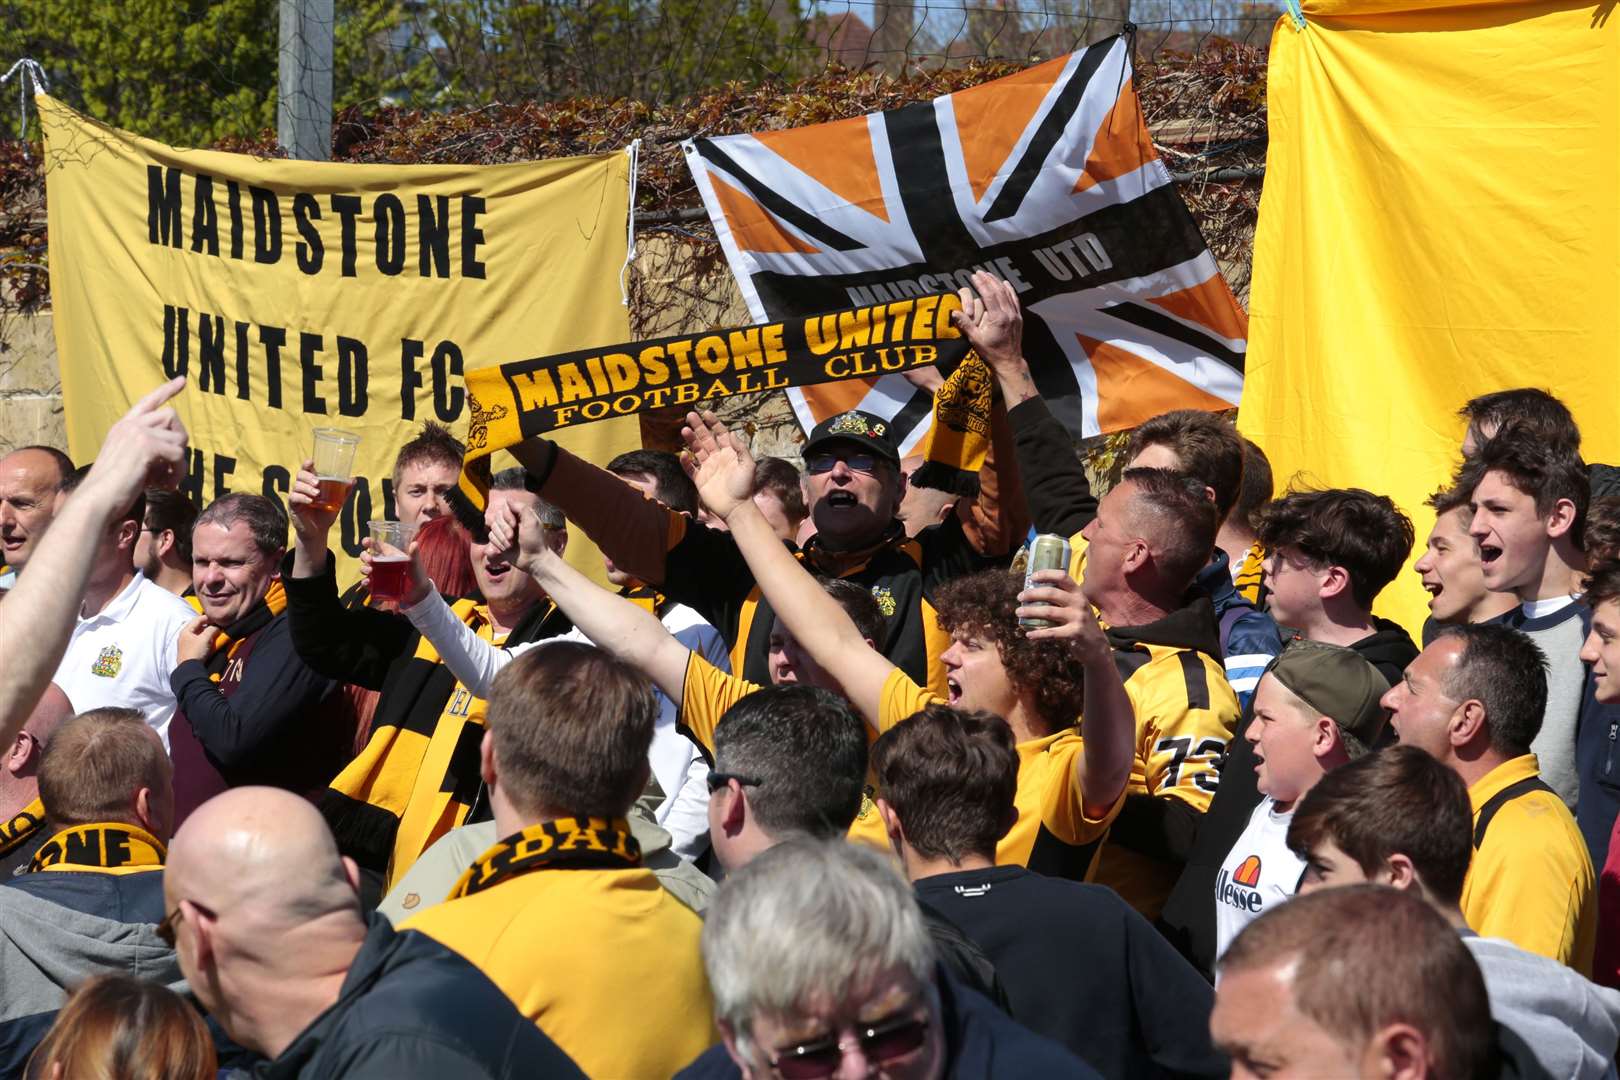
1047 178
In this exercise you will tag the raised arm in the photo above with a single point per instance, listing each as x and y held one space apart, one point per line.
625 630
724 472
146 446
1107 722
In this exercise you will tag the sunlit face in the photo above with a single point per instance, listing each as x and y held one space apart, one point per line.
903 1014
975 677
851 507
922 506
1285 736
28 500
1450 568
1257 1025
228 571
1296 586
1327 867
503 585
423 490
1513 538
1110 541
1420 710
1602 651
148 560
648 486
770 505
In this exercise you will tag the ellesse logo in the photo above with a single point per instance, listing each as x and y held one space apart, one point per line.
1239 889
1248 872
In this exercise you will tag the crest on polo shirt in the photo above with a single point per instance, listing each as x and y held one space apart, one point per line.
885 600
108 663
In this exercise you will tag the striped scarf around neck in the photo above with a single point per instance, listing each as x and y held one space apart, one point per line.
589 843
107 847
15 830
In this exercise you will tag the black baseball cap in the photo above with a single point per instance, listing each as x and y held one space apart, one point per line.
1337 682
866 430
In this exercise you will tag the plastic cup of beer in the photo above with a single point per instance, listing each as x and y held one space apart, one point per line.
334 467
390 565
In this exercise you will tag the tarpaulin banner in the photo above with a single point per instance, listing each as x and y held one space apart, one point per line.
521 400
1048 179
1439 221
297 295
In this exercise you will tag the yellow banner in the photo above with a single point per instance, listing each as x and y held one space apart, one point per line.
1439 221
296 295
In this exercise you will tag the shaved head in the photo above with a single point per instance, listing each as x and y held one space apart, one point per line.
265 902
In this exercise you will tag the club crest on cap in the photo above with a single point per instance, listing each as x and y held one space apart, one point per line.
853 423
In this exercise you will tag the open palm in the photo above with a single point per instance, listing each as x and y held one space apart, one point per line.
719 464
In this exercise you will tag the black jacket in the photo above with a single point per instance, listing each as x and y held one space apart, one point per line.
981 1043
1188 918
410 1009
1083 968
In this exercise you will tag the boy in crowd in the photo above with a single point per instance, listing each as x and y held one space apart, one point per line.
1451 570
1244 552
1316 708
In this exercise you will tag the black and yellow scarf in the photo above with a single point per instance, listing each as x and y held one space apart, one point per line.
105 847
419 774
959 440
230 638
591 843
16 830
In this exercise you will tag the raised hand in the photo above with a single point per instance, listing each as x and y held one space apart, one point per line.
993 323
718 462
309 521
145 448
501 519
1056 597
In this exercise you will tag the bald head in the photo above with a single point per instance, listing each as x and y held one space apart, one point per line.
262 854
30 480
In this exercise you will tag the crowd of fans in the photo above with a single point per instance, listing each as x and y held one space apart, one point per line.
823 785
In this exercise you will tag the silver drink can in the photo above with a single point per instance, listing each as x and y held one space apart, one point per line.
1048 551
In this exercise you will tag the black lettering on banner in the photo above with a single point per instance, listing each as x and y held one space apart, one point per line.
277 483
176 336
410 380
447 396
210 353
191 485
163 205
224 466
311 251
389 214
233 196
351 377
273 338
388 499
204 218
266 225
347 208
352 519
243 377
308 346
433 235
471 237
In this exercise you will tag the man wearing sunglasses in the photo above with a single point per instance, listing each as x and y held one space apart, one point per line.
854 487
823 968
93 890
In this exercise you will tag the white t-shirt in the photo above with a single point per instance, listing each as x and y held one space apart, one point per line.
123 654
1259 873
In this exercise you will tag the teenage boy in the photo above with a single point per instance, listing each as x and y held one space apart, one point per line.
1315 709
1602 653
1401 818
1451 571
1529 498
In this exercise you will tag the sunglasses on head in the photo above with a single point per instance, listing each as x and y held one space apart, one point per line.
718 780
825 461
880 1041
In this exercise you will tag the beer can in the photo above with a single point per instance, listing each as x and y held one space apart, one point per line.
1048 551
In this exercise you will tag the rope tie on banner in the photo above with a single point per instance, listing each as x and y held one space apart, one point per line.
1296 13
634 150
24 69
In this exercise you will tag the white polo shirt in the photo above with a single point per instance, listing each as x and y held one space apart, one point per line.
123 654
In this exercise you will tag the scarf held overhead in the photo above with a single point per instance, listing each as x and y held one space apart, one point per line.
563 844
105 846
528 398
959 440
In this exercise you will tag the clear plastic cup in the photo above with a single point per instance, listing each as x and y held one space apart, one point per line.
334 466
390 565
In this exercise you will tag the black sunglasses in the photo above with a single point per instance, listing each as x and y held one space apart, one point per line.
718 780
165 929
826 461
881 1041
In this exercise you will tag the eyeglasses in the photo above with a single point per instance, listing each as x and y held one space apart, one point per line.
882 1041
166 928
824 462
718 780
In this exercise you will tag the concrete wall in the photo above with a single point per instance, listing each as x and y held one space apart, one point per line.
30 385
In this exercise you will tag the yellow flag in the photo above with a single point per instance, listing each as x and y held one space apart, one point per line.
1439 220
297 295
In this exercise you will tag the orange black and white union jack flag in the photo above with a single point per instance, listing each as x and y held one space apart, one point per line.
1047 178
